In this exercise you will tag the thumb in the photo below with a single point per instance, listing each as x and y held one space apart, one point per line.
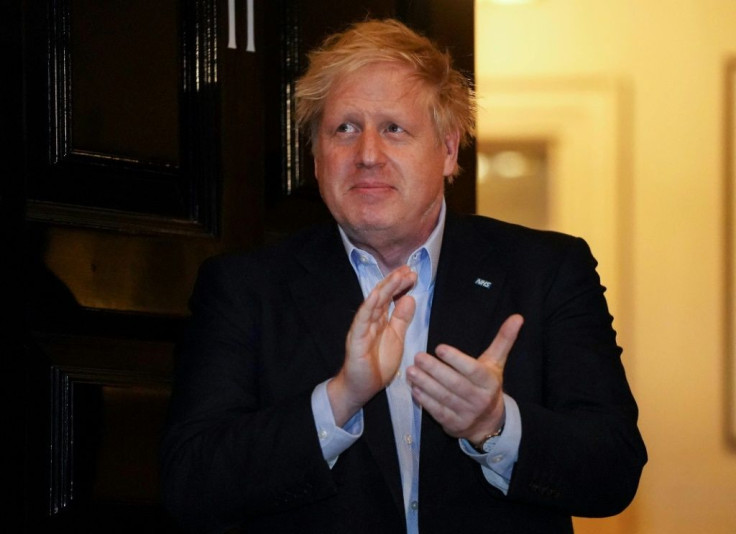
402 314
499 349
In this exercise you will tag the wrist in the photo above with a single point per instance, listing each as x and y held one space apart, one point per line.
497 421
341 401
481 444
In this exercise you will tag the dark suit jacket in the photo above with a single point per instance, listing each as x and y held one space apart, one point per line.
241 448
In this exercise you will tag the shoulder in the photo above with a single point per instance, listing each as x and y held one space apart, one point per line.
511 239
526 254
274 260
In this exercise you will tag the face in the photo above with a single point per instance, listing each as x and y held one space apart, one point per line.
379 162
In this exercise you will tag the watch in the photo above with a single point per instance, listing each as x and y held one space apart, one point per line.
484 445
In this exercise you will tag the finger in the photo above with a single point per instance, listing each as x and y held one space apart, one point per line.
452 412
439 410
457 359
441 382
467 367
396 283
499 349
375 306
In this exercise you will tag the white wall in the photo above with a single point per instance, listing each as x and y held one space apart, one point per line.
660 237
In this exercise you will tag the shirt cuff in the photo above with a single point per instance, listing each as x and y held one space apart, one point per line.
498 464
332 439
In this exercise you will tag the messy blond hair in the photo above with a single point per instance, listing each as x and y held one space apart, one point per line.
451 100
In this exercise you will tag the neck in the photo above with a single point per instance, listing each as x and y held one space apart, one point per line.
390 256
389 250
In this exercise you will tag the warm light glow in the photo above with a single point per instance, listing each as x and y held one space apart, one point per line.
637 155
510 2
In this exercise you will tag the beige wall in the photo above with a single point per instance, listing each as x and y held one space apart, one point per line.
643 79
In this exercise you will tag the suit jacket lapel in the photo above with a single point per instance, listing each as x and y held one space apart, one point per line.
328 295
469 283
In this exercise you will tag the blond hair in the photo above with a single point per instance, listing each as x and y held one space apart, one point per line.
451 100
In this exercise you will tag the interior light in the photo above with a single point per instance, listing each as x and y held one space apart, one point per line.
511 2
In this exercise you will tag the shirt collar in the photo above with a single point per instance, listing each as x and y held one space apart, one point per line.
432 245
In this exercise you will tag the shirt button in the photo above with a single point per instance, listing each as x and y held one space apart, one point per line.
414 505
408 439
497 458
323 434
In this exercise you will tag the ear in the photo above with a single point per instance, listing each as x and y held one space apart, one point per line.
314 146
315 159
451 144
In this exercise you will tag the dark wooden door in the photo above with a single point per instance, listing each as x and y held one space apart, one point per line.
143 137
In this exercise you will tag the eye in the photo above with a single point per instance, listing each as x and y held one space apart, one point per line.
346 127
394 128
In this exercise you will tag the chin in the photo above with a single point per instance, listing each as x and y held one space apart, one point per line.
370 218
368 225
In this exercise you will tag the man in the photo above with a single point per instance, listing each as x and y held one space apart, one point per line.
305 397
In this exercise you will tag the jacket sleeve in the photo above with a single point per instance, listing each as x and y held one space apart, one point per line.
581 450
234 446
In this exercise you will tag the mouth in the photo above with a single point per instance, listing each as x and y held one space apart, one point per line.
371 187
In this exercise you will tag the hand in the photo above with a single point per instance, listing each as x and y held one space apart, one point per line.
464 394
374 345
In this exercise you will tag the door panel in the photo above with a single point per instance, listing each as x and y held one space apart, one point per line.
149 145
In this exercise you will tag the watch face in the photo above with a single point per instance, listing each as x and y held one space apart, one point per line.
487 445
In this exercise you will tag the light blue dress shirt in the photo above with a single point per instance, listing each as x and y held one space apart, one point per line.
406 416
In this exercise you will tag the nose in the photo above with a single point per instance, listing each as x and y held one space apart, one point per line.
369 150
